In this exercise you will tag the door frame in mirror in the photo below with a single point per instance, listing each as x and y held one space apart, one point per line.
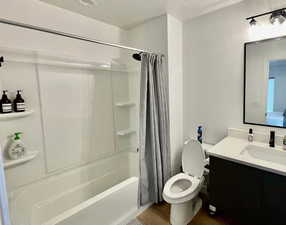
244 81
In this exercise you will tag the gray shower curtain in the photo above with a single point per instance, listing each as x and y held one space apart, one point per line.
154 135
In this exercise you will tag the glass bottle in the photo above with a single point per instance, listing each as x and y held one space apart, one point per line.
5 103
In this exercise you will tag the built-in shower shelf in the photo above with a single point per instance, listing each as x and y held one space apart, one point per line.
15 115
126 132
28 157
125 104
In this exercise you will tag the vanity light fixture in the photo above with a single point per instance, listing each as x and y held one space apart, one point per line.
253 22
1 60
276 17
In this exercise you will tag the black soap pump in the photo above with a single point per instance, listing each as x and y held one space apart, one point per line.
250 135
5 103
272 139
19 103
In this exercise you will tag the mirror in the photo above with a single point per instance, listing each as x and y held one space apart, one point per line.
265 83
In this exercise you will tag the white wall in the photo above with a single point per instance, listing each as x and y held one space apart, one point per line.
175 69
151 35
213 70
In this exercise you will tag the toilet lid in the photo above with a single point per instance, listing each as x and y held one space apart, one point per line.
193 158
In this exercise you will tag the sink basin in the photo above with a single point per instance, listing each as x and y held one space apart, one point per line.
265 154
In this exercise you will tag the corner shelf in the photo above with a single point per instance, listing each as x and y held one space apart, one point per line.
15 115
125 132
125 104
28 157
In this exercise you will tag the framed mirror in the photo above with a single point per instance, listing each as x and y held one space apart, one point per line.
265 83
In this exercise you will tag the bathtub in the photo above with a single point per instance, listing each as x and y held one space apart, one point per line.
115 206
91 193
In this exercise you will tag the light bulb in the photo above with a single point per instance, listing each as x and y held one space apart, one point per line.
278 17
253 22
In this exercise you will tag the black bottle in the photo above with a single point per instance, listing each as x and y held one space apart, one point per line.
19 103
5 103
272 139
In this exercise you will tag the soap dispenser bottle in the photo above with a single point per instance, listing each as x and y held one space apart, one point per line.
250 135
19 103
5 103
16 149
200 134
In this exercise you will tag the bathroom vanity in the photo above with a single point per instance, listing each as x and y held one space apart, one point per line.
248 181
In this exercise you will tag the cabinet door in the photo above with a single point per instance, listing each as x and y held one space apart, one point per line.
274 198
236 190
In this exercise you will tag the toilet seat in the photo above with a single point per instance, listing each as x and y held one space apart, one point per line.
177 196
185 186
182 190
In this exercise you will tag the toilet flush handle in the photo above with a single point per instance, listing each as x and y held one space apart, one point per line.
187 141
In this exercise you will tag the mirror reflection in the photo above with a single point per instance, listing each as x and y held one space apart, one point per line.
276 93
265 83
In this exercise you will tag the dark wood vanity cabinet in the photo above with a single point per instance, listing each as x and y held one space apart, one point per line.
250 195
274 198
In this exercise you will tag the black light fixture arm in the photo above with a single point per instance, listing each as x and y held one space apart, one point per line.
264 14
1 60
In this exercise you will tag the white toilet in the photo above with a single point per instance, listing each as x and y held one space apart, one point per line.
182 190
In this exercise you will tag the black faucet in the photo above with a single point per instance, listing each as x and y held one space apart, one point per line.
272 139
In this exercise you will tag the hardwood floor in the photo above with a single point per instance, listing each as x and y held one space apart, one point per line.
159 215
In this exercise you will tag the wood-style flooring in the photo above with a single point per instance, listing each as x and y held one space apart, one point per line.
159 215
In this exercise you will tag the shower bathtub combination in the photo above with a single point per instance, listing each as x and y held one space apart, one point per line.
81 128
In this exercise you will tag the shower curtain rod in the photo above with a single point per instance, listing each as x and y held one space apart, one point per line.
68 35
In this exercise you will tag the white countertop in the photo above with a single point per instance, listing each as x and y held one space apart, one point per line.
207 147
230 148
